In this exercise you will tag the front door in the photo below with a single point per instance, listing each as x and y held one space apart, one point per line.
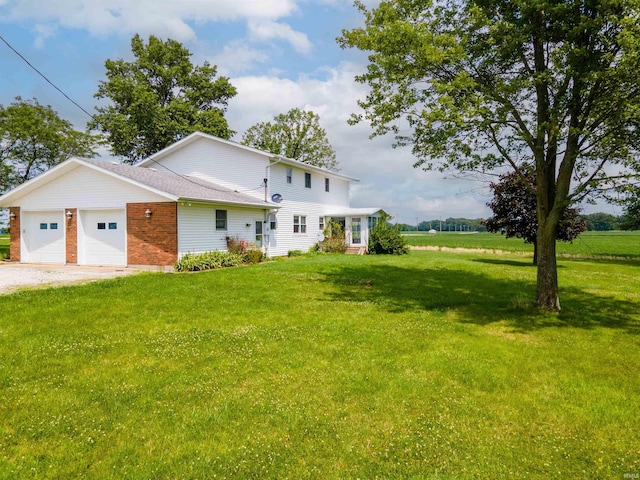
259 233
356 230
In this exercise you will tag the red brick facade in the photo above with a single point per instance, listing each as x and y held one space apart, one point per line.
71 235
14 234
152 240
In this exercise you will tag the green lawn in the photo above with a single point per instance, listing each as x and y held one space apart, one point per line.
4 246
429 365
588 244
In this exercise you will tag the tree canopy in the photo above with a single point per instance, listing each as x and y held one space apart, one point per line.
480 85
159 98
33 139
514 212
296 134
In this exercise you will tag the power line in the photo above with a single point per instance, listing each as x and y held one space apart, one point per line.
43 76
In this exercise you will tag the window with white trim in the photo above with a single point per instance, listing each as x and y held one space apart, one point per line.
289 175
299 224
321 224
221 219
326 184
307 180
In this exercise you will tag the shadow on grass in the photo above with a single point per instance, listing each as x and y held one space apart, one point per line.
477 298
512 263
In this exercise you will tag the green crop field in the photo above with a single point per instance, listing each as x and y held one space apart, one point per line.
588 244
428 365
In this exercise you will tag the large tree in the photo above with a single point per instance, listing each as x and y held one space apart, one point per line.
33 138
514 212
296 134
479 85
159 98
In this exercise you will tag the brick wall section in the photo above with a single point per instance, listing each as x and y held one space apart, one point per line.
71 235
14 235
152 240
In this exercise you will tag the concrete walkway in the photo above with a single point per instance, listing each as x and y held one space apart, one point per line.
14 276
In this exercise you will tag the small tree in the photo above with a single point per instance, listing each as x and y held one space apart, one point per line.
514 212
159 98
33 139
296 134
385 239
334 238
631 217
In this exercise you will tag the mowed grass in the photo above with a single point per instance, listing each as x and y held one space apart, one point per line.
588 244
429 365
4 246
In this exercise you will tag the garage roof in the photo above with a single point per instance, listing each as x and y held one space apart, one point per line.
169 184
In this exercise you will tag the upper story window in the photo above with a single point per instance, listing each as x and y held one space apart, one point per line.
326 184
307 180
289 175
221 219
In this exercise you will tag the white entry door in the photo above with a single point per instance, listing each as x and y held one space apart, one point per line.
43 234
102 239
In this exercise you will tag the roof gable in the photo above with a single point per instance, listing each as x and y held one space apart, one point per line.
169 185
156 157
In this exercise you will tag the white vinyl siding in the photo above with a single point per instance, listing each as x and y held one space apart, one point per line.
197 227
225 165
86 188
297 200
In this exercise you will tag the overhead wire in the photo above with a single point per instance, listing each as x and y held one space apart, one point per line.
44 76
91 116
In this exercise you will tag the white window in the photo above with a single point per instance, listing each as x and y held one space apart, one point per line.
321 223
273 225
299 224
289 175
307 180
326 184
221 219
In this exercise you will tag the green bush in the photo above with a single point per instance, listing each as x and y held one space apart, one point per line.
386 240
252 255
194 262
295 253
334 239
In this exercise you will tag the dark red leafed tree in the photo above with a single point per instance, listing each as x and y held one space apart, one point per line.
514 212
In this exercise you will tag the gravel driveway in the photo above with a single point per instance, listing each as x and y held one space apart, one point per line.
14 276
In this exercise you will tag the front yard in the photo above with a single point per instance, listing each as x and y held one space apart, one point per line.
429 365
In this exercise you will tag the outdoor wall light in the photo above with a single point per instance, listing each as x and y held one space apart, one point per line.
69 214
147 212
12 216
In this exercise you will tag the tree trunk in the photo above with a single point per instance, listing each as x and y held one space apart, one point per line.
535 252
547 297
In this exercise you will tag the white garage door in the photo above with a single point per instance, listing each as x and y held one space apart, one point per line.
44 237
102 238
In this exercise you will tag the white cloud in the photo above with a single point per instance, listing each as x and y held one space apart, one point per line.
265 30
387 177
161 17
237 57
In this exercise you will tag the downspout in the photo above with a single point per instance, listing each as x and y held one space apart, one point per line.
267 181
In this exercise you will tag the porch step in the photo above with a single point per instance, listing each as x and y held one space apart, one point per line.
356 251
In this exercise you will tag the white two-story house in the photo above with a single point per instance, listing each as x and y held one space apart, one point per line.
188 198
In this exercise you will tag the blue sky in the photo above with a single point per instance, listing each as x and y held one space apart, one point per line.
279 54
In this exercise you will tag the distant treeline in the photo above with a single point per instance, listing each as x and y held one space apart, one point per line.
595 222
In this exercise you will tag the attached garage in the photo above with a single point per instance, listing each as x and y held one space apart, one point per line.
102 238
43 237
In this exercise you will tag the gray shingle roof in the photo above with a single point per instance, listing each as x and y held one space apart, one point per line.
180 186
